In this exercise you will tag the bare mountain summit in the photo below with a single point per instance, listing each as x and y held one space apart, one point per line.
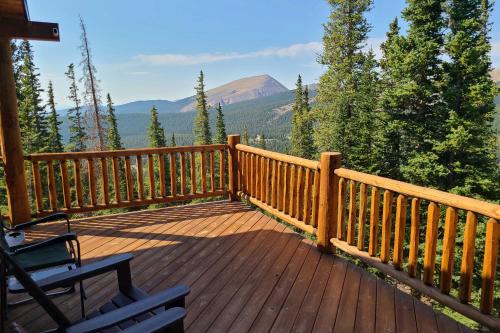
495 75
240 90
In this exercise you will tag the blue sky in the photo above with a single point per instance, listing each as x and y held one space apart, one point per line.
154 49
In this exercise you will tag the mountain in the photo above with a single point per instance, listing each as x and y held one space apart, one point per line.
495 75
244 89
238 91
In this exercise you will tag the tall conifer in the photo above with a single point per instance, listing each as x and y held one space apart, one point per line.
114 138
220 127
77 135
468 149
201 126
338 97
32 116
302 144
54 138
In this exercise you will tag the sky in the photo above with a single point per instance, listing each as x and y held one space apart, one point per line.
154 49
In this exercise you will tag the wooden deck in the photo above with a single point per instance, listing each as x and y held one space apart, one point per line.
246 272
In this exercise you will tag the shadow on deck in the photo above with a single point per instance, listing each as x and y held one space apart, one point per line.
246 272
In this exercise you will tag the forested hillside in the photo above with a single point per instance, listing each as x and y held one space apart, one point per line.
259 116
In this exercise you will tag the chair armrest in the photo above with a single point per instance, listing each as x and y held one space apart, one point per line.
48 218
132 310
71 236
85 272
172 318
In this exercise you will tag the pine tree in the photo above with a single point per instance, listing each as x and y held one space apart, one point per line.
96 127
157 139
156 133
393 107
262 141
338 96
114 139
245 138
54 138
366 151
172 141
32 116
220 127
201 126
77 135
468 150
296 131
419 92
302 144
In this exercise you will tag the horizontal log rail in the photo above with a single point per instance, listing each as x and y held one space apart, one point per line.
397 227
284 185
77 182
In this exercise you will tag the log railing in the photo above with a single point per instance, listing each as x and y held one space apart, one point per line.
435 242
393 225
286 186
87 181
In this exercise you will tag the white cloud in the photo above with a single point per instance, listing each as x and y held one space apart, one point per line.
172 59
495 48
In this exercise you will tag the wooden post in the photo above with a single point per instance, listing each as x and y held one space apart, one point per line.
232 141
10 138
328 200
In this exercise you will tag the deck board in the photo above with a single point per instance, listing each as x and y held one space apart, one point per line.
247 273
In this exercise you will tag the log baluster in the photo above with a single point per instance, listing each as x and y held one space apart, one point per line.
363 199
399 232
351 221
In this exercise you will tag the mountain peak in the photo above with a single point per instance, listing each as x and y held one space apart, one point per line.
241 90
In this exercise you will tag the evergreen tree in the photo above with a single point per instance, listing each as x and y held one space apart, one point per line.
262 141
54 138
156 133
114 139
338 96
468 149
157 139
245 138
296 131
201 126
172 141
302 144
393 107
77 135
32 116
366 152
220 127
419 107
96 127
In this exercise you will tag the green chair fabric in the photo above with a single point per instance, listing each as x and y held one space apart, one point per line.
48 256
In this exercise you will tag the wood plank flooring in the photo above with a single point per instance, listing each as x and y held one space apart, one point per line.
247 273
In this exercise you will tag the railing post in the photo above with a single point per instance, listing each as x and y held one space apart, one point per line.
10 139
232 141
328 200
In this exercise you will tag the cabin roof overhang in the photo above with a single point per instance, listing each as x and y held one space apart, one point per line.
15 23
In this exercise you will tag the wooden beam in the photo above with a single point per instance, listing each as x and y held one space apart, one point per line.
20 29
10 139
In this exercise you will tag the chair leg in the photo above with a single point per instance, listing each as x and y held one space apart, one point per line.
83 297
176 327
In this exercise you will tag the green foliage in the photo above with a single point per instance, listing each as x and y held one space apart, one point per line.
345 111
201 126
468 149
245 138
32 116
77 136
156 133
54 138
114 140
220 126
301 140
172 141
261 141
